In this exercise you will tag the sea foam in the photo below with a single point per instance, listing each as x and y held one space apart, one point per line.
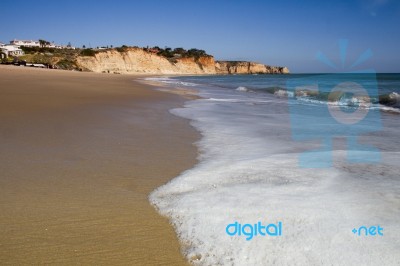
248 171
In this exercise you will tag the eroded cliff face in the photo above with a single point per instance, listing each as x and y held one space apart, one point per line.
139 61
243 67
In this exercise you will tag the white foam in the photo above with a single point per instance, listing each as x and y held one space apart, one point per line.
248 172
223 100
395 96
171 81
244 89
388 109
284 93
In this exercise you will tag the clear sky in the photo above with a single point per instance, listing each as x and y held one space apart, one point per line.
279 32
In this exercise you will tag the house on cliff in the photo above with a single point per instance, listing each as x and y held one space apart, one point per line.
27 43
10 50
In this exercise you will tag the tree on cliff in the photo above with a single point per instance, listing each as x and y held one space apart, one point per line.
43 43
167 52
196 53
179 51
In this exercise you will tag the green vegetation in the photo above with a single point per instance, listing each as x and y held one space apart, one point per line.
38 58
88 52
67 64
173 54
9 59
43 43
196 53
32 50
122 49
66 58
59 58
177 52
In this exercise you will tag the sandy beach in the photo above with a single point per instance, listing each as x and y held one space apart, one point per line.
80 152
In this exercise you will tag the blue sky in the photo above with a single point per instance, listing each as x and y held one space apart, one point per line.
287 33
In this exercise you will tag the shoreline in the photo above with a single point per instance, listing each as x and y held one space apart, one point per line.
251 162
77 172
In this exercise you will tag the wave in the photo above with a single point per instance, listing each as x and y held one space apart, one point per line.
224 100
386 102
248 171
170 81
391 99
284 93
389 102
241 88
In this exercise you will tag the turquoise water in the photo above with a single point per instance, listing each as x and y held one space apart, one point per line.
382 89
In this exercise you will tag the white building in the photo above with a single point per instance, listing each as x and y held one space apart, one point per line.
31 43
11 50
27 43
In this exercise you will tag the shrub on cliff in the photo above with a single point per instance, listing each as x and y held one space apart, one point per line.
88 52
196 53
179 52
67 64
168 53
32 50
122 49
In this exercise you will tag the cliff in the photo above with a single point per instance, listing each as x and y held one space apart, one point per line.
140 61
243 67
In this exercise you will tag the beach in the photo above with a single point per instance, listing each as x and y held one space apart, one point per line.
80 153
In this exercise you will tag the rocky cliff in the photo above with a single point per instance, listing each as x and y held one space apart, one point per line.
243 67
139 61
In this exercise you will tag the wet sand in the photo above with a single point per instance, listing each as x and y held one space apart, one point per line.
79 154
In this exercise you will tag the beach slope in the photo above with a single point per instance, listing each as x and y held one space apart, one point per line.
80 152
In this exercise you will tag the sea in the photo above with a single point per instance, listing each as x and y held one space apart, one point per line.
317 154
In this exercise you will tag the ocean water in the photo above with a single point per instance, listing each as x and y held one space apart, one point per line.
318 153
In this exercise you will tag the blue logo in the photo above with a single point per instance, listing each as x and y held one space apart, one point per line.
342 109
368 231
252 230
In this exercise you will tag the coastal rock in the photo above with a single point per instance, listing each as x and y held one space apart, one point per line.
243 67
138 61
285 70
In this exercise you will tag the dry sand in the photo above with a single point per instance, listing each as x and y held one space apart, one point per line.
79 154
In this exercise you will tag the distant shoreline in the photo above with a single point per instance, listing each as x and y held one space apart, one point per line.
132 60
